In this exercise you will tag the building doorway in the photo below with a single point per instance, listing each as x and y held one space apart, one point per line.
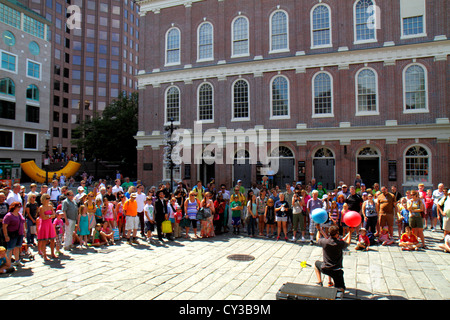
324 168
368 162
242 169
286 167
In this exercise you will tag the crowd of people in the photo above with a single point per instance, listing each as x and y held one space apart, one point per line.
63 219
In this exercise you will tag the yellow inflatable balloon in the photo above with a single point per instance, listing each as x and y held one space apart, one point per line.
38 175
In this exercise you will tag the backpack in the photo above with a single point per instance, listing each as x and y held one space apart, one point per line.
371 238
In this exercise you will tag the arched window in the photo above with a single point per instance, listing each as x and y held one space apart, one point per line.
363 20
324 153
415 88
173 44
240 39
33 92
323 94
7 86
280 97
173 105
367 91
279 31
241 100
205 102
321 26
417 164
205 41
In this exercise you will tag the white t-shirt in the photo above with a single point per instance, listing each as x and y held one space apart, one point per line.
140 199
148 210
116 189
54 193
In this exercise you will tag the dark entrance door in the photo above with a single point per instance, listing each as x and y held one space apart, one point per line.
285 173
324 172
242 171
369 169
207 172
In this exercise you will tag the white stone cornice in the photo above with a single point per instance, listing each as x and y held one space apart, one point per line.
156 5
302 135
387 55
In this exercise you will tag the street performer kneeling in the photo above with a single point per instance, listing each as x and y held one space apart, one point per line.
332 256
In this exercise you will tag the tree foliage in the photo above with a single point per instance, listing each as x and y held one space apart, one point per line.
110 136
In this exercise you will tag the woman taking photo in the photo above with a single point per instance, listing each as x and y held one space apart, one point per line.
14 230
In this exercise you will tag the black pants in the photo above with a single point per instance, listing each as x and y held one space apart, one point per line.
371 224
336 275
141 221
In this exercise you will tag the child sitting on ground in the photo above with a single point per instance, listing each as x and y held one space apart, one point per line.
5 263
409 241
363 240
385 238
107 233
97 239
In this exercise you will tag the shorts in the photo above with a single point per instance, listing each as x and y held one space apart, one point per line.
386 220
172 220
132 223
96 240
149 226
15 242
416 222
281 219
298 222
434 211
235 221
336 275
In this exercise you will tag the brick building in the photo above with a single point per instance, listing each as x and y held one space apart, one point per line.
353 87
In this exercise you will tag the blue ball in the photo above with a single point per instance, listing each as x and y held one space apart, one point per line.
319 216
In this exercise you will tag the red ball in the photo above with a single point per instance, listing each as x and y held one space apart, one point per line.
352 219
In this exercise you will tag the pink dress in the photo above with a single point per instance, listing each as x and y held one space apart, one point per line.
47 229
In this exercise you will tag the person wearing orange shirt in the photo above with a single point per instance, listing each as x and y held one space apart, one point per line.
409 241
131 218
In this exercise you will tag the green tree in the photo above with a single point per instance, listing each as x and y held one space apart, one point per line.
110 136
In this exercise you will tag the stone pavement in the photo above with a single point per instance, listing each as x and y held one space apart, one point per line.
199 269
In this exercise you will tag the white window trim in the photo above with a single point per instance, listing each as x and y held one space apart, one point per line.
167 64
16 65
166 121
272 51
324 115
176 175
355 40
198 43
12 140
37 140
198 104
426 110
414 183
288 116
367 113
412 36
312 30
40 70
233 55
233 119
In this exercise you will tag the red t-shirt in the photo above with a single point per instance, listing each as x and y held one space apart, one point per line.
411 238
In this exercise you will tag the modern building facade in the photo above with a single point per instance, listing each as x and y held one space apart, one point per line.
24 83
95 58
352 86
